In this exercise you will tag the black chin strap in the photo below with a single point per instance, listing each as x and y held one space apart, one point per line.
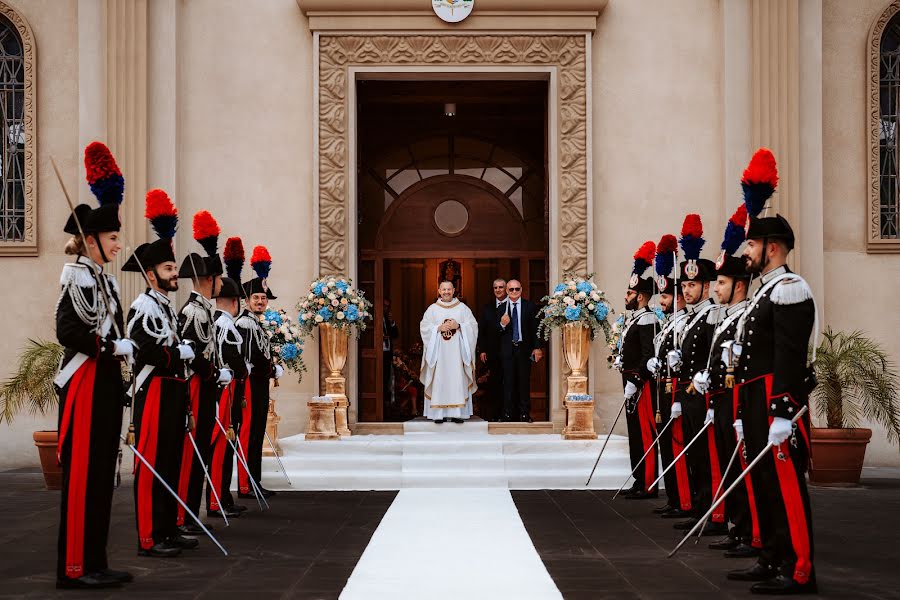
99 247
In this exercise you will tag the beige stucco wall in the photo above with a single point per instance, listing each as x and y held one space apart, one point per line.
861 288
657 142
245 142
29 293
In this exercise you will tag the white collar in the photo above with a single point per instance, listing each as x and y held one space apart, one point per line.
159 296
89 262
499 302
195 295
736 307
773 274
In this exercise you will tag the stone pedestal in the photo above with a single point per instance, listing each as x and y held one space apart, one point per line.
335 391
321 419
579 420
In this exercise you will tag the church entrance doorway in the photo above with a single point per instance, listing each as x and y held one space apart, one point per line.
452 184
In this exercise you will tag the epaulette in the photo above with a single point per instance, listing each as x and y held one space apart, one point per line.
76 274
246 321
792 290
712 317
648 318
195 312
225 326
144 305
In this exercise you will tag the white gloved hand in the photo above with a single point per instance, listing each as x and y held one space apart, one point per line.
676 410
630 390
617 363
739 427
225 376
731 351
279 371
185 352
653 366
701 381
780 430
124 348
249 367
710 414
673 358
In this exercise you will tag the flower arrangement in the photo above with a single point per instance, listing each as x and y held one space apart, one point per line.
284 337
334 301
614 339
576 300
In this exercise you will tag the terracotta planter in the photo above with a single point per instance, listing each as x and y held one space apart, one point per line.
837 455
46 444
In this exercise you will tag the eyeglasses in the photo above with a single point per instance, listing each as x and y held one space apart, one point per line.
514 289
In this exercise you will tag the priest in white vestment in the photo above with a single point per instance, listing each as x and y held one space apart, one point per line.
449 332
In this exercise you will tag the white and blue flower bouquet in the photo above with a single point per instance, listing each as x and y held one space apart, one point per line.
284 337
334 301
576 300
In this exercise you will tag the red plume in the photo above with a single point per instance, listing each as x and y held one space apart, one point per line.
260 254
762 168
205 225
692 227
739 217
646 252
234 249
159 205
667 244
99 162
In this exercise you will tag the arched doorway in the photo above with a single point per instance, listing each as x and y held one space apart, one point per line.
466 194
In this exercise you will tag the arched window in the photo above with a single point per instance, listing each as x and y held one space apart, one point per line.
18 235
884 151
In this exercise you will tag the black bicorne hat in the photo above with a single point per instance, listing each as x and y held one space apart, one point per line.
193 266
732 266
666 285
214 265
132 265
641 284
258 285
701 269
776 227
229 289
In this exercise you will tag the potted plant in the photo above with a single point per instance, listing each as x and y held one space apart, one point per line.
857 382
30 388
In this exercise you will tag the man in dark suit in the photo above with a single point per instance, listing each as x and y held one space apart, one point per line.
489 345
389 334
519 347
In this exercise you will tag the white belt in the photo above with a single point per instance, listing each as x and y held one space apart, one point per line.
65 373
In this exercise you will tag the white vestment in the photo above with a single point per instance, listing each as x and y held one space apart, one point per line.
448 365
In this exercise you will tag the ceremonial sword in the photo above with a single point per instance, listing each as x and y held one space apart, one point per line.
682 453
278 458
605 442
722 483
640 462
242 461
739 479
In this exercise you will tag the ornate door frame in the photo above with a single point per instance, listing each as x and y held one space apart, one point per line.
565 58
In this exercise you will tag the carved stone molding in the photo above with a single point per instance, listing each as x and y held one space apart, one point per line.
874 241
29 245
565 52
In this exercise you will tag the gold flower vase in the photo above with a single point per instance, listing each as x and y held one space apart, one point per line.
334 343
579 414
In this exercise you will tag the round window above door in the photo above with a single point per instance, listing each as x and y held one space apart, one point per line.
451 217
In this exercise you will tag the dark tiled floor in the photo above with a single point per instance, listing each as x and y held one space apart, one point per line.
305 547
595 547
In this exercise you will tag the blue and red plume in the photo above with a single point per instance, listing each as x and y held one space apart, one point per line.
162 214
692 241
261 261
103 174
665 254
234 258
759 181
643 258
206 232
734 231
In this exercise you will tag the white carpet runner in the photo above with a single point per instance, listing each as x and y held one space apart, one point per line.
450 543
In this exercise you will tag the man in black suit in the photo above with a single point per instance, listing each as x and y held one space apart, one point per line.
519 347
389 334
489 345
